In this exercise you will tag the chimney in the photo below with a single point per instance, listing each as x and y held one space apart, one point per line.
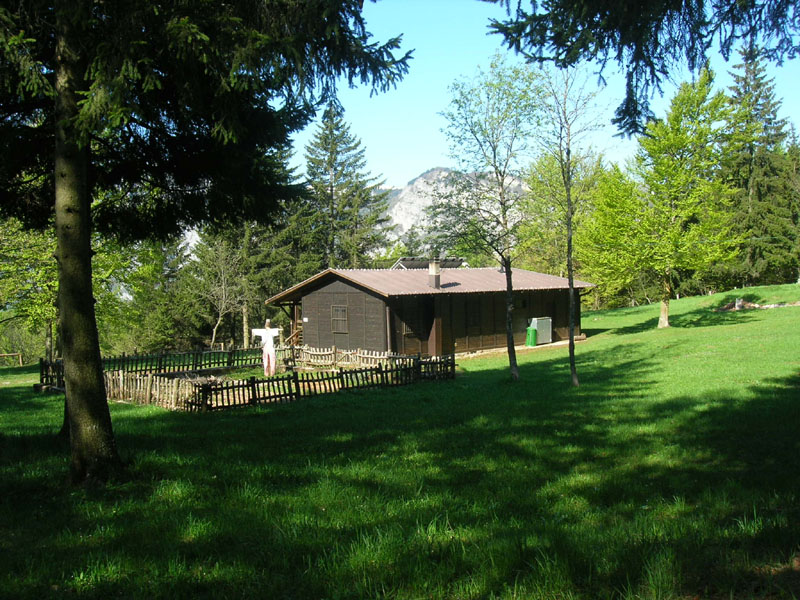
434 273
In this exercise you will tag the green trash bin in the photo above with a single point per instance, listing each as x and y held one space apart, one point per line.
530 339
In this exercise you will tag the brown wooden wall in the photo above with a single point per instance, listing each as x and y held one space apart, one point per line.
472 322
366 318
461 322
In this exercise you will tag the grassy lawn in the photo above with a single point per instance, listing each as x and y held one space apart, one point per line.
672 472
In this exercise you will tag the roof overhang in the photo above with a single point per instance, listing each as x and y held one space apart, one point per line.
295 293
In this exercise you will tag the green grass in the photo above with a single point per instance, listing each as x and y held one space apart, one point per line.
672 472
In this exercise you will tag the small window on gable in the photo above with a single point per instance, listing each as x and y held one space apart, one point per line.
339 319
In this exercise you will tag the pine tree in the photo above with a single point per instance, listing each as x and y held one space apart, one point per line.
347 200
758 168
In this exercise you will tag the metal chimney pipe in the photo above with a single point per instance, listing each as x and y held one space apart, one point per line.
434 273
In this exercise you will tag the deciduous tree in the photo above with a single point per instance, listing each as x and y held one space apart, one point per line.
568 115
490 124
676 217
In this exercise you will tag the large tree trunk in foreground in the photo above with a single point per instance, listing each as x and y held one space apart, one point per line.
512 351
93 450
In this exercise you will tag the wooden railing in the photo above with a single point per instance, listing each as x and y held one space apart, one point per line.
17 355
52 372
291 387
291 357
184 394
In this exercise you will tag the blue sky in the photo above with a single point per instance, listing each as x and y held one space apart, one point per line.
401 129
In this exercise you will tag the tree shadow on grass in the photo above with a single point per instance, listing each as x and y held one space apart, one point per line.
701 317
462 489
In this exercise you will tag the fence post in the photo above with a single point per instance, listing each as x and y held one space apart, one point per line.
149 394
295 386
253 399
231 353
341 379
335 357
381 375
205 392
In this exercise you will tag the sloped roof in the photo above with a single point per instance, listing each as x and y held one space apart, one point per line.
416 262
411 282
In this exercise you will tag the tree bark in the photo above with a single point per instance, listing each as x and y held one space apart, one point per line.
246 270
570 271
666 294
512 351
48 341
245 325
93 449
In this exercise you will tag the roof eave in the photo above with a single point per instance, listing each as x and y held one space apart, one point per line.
277 298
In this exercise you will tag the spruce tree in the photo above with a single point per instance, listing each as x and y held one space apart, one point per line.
758 168
99 100
350 208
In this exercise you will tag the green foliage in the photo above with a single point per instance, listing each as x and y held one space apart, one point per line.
28 275
604 243
347 203
675 218
154 315
543 236
664 475
647 42
758 167
182 106
491 122
214 277
29 285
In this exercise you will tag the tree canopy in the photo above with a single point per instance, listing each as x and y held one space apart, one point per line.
347 202
647 39
181 106
677 216
145 117
490 125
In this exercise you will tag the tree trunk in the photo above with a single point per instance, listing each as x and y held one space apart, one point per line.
512 352
93 449
246 270
214 332
245 325
570 272
666 294
571 282
48 341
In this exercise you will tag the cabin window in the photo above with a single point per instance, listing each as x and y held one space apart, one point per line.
338 319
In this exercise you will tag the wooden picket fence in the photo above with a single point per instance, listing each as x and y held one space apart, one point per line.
184 394
180 362
291 387
172 393
51 373
306 357
288 357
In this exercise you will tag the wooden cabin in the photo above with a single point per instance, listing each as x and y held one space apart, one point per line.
422 310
